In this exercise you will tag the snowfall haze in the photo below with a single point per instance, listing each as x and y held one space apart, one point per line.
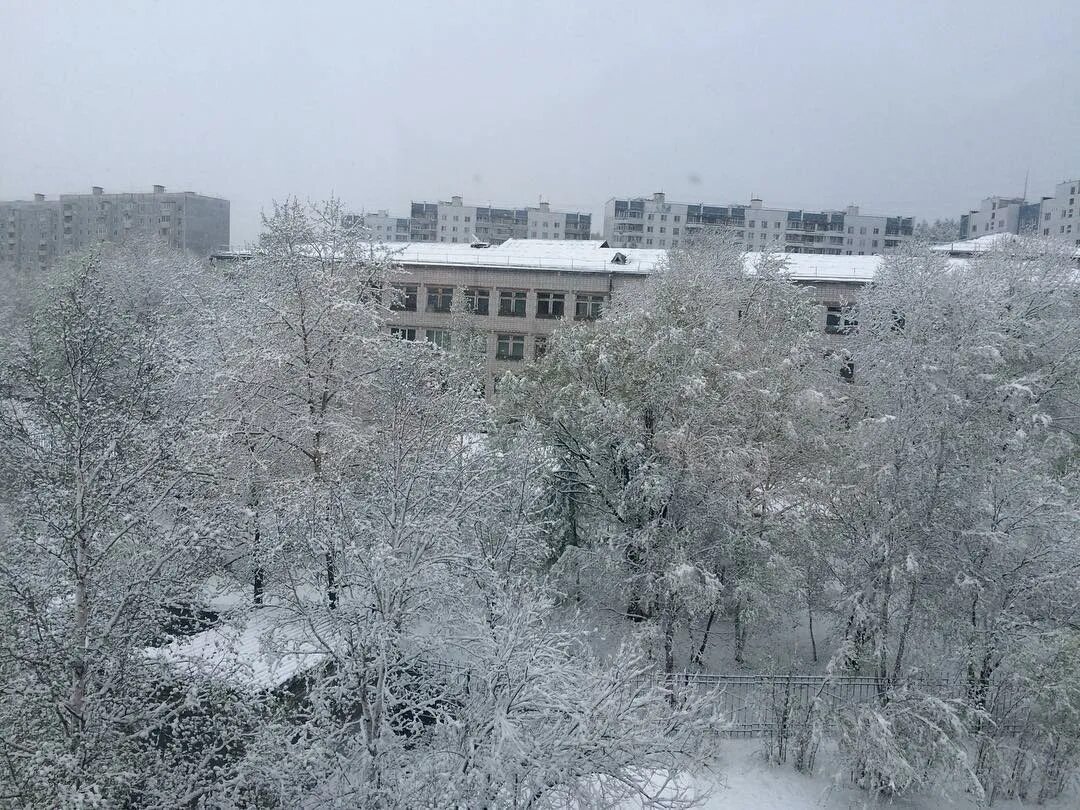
917 108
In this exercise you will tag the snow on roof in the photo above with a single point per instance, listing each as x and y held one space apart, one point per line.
979 244
261 650
815 267
586 256
590 256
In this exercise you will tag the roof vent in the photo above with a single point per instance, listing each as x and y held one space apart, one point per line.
618 258
480 244
159 189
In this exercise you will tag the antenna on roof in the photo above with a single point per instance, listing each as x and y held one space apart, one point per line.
1026 173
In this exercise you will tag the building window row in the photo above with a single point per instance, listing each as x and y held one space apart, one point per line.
512 303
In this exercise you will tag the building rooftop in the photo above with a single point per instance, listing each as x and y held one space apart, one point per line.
586 256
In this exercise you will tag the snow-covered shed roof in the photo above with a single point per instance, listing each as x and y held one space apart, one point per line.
263 649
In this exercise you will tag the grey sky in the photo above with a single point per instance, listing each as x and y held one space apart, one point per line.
913 107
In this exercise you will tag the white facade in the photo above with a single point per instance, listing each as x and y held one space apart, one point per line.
387 228
994 215
1059 216
456 222
656 223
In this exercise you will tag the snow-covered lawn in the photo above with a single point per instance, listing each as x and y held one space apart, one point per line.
746 782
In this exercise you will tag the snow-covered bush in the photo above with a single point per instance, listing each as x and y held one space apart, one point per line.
909 740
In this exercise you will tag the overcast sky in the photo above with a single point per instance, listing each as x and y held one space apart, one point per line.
920 108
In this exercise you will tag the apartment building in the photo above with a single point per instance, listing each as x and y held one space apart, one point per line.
30 232
1057 216
37 233
644 222
384 227
1000 215
521 290
457 222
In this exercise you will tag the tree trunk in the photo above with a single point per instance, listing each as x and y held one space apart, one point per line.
699 654
810 617
740 634
331 579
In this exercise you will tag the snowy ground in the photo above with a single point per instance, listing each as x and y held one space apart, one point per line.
747 782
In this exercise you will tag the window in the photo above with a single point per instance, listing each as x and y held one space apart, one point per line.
468 219
874 242
837 320
440 299
674 231
539 347
403 332
862 231
442 227
751 224
510 347
850 229
663 217
477 301
649 229
776 225
662 229
650 217
440 337
677 217
455 220
550 305
648 241
877 230
405 298
512 303
587 306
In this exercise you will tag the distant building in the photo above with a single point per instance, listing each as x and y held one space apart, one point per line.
1057 216
455 222
30 232
34 234
999 215
653 222
520 290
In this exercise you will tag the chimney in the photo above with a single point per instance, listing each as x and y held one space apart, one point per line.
97 191
545 207
39 198
658 196
755 202
852 210
455 200
159 189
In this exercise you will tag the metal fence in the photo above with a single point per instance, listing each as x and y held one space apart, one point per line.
756 705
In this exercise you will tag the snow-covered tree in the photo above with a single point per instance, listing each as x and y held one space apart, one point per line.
939 231
102 532
676 418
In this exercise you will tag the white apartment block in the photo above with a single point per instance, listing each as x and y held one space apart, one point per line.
386 228
456 222
644 222
999 215
1057 217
